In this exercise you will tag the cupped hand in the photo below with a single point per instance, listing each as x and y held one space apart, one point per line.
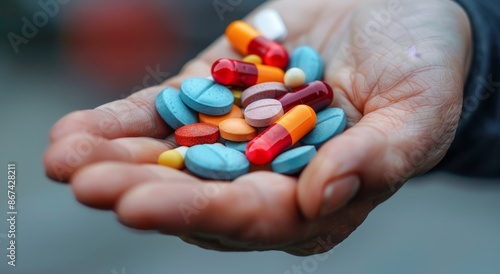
397 69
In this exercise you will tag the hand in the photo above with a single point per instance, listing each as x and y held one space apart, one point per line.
397 69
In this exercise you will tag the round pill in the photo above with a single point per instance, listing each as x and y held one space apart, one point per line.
237 96
263 113
294 160
252 58
216 162
237 130
309 60
173 158
215 120
172 110
206 96
239 146
294 77
271 90
330 122
196 134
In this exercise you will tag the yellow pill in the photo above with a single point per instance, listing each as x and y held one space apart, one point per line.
237 96
252 58
173 158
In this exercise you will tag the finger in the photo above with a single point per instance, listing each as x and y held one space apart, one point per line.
134 116
255 207
94 187
371 154
66 156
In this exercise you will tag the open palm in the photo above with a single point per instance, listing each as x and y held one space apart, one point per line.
397 69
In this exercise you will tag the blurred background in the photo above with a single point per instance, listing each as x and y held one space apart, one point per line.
57 56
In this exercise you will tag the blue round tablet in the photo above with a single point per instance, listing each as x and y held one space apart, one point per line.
294 160
172 110
206 96
216 162
329 122
309 61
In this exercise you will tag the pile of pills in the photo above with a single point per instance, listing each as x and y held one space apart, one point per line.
270 108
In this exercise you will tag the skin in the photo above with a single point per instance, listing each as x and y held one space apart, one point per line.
400 85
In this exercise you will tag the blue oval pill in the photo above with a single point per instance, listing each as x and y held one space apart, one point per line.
206 96
239 146
329 122
172 110
294 160
216 162
309 61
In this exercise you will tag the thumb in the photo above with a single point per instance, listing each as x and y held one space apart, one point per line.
367 158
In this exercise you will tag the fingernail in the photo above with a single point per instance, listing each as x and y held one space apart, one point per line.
338 193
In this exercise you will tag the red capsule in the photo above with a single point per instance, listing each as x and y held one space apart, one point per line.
317 94
236 73
281 135
248 40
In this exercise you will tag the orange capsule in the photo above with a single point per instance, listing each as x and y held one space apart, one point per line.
248 40
281 135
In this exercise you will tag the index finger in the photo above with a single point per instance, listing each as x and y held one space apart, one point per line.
130 117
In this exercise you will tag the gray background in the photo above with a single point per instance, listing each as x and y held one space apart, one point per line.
434 224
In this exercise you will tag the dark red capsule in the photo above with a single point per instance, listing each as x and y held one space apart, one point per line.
317 94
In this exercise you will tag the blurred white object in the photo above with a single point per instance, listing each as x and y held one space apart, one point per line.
269 23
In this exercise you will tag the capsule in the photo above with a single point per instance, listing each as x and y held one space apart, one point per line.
317 94
248 40
281 135
237 73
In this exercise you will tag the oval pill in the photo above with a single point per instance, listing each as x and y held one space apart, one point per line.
294 77
317 94
237 130
206 96
248 40
309 61
172 110
216 162
239 146
330 122
270 90
195 134
294 160
263 113
215 120
281 135
229 72
173 158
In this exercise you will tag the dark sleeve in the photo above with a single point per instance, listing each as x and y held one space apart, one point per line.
476 148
